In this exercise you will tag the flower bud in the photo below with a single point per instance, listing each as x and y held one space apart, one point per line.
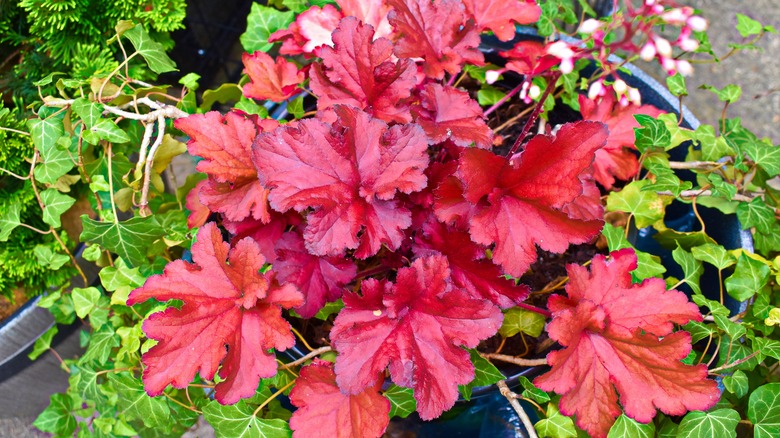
491 76
674 16
634 96
534 92
663 47
619 86
589 26
648 52
596 89
696 23
684 67
560 49
688 44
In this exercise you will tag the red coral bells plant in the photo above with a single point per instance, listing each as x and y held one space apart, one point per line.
395 207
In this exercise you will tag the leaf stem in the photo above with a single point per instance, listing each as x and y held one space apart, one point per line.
143 205
310 355
110 154
30 227
15 131
539 310
23 178
272 397
512 398
735 363
515 360
503 100
534 115
300 336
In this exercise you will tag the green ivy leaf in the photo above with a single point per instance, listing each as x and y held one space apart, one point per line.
249 106
295 107
402 402
9 219
713 148
555 425
646 207
764 155
713 254
135 404
666 427
756 214
630 428
485 373
55 205
296 6
734 330
121 280
691 267
489 95
748 26
768 347
239 421
737 383
89 112
55 161
716 308
653 133
764 410
57 417
676 85
47 257
518 320
108 130
730 93
43 344
698 330
261 23
721 423
84 300
735 349
748 278
152 51
532 392
647 265
100 345
129 239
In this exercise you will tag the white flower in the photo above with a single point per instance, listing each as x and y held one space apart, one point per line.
596 89
663 47
619 86
634 96
689 44
698 24
491 76
648 52
589 26
684 67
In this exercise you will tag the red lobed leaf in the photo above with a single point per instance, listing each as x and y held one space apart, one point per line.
416 327
359 72
446 113
349 174
321 279
436 31
373 12
225 144
615 160
323 410
315 25
264 234
618 338
470 269
500 16
529 58
231 315
199 213
269 80
523 202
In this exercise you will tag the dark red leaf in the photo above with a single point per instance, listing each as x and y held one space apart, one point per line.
264 234
500 16
437 32
269 80
348 173
416 327
323 410
471 270
522 202
618 338
321 279
225 144
615 160
358 71
231 315
446 113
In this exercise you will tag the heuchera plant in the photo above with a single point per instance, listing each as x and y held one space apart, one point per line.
392 206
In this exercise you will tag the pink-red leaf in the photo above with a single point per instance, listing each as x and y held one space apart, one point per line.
349 174
500 16
231 315
437 32
618 338
529 58
323 410
264 234
522 202
358 71
471 270
416 327
199 213
446 113
321 279
269 80
225 144
616 160
373 12
315 26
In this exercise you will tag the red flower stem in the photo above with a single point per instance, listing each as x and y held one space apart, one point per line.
543 312
372 271
504 99
534 115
